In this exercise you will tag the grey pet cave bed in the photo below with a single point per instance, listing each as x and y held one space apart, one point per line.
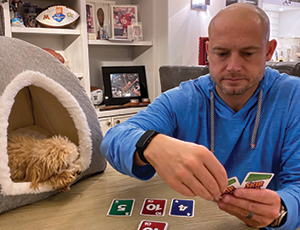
40 93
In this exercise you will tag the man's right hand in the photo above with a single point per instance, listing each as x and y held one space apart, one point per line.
188 168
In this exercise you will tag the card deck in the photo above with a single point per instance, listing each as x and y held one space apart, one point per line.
121 207
257 180
154 207
183 208
152 225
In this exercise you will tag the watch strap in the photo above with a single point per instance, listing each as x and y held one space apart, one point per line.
280 220
143 142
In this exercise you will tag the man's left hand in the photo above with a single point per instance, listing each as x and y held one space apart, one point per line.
263 203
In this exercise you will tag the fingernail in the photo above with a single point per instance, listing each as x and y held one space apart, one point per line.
225 199
218 197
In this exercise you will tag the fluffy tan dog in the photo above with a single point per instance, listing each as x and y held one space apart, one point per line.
48 161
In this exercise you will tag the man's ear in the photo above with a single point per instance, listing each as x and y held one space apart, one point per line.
207 49
271 46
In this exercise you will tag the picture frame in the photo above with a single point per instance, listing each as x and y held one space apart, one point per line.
90 18
229 2
202 51
103 19
135 31
123 83
122 17
253 2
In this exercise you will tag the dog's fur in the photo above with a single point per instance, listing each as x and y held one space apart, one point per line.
49 161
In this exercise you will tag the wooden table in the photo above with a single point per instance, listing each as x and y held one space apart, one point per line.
86 205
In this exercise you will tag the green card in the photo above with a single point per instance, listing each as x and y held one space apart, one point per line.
257 180
121 207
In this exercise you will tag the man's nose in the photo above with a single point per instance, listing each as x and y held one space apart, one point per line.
234 63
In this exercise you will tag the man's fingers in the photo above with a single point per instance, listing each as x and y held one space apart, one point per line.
187 178
264 203
217 170
208 183
264 196
242 214
181 188
258 208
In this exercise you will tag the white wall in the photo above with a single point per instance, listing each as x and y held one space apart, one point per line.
289 24
185 28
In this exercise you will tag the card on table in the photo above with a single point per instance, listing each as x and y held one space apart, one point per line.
154 207
257 180
152 225
121 207
182 208
233 184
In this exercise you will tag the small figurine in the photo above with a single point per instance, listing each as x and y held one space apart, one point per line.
104 33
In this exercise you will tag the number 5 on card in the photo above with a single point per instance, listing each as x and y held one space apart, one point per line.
121 207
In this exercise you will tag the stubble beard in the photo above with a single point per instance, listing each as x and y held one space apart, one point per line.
239 90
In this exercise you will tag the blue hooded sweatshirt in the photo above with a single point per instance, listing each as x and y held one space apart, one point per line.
185 113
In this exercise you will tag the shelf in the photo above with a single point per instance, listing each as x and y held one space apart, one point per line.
117 112
120 43
53 31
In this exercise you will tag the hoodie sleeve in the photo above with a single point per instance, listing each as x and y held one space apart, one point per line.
289 174
118 145
168 113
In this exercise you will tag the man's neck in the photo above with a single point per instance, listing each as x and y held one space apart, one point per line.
236 102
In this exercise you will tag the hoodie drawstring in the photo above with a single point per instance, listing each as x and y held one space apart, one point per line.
212 121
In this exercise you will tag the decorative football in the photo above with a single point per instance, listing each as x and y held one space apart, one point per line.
57 16
55 54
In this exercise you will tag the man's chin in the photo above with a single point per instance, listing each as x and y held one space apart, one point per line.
234 91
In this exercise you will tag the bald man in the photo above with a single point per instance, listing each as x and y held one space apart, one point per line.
242 117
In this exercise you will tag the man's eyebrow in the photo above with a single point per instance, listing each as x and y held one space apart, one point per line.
251 48
219 48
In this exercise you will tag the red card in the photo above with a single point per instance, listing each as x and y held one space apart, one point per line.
153 225
154 207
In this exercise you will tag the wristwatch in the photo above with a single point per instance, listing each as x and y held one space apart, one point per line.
143 142
280 220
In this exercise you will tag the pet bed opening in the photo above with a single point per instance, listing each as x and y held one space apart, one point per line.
36 102
35 107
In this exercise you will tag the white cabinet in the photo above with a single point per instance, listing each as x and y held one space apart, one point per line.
109 119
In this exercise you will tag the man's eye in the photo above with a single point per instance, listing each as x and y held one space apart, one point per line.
222 54
248 54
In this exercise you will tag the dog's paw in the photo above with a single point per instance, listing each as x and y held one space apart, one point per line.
64 189
63 181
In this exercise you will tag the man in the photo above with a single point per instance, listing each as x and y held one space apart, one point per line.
241 117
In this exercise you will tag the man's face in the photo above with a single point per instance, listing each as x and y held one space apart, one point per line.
237 53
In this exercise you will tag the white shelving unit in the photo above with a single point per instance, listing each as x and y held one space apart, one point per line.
114 43
86 57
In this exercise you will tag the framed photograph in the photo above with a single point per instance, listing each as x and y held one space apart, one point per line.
229 2
135 32
90 17
254 2
122 83
103 19
202 51
122 17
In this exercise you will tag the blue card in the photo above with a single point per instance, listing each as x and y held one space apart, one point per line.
183 208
